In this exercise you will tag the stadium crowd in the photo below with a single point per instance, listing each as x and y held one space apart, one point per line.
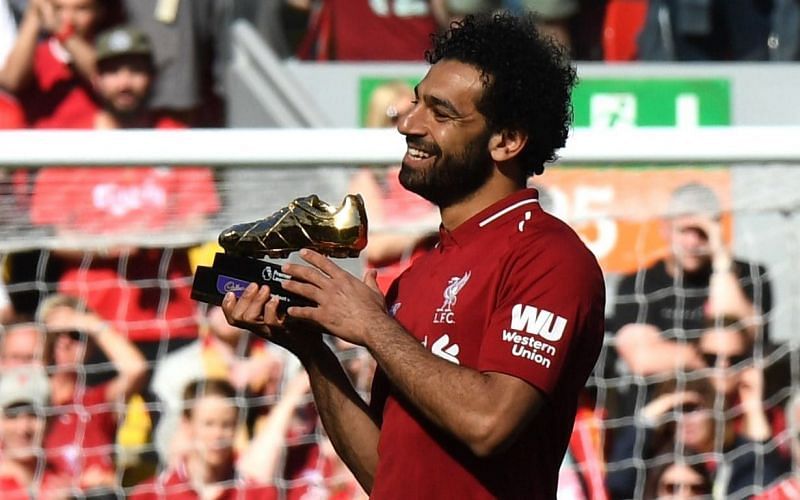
114 382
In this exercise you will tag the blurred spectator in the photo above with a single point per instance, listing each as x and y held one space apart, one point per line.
22 344
252 367
210 468
661 309
706 30
325 476
358 363
52 77
8 30
80 441
576 25
678 480
312 468
402 225
190 47
24 471
685 412
789 487
727 350
582 473
144 292
364 30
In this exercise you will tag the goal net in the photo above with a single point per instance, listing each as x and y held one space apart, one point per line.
125 240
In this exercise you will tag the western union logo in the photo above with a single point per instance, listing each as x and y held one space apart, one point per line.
537 322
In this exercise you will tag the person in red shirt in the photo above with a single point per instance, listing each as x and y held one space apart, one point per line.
80 439
484 344
211 469
24 472
127 285
52 77
368 30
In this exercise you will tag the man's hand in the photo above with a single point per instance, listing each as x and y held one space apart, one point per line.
65 318
751 389
720 254
47 15
346 307
655 411
257 310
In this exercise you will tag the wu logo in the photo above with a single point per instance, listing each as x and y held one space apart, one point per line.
537 322
444 314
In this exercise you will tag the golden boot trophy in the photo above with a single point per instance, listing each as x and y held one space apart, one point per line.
306 222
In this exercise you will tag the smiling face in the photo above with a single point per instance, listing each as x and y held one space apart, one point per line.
448 156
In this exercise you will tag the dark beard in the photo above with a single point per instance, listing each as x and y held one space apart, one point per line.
132 117
453 178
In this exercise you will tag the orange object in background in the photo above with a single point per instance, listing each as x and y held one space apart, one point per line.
618 212
623 22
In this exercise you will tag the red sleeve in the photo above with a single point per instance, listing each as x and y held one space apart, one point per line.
550 303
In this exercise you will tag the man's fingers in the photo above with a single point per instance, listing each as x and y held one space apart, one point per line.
228 303
311 292
308 313
271 316
255 308
322 263
305 273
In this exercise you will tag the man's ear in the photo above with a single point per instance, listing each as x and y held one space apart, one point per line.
507 144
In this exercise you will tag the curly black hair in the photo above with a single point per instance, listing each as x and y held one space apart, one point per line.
527 79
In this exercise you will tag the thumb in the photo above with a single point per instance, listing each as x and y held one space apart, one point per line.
371 280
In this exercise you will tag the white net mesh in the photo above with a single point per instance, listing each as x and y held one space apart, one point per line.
125 241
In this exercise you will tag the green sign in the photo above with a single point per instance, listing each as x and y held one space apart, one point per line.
367 86
608 103
652 102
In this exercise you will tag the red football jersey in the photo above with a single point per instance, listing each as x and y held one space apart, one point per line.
512 290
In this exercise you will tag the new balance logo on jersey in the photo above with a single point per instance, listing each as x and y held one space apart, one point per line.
443 348
445 314
537 322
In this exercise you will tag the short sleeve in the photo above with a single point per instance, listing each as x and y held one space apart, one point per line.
550 305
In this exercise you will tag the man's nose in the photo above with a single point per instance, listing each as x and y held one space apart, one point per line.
411 123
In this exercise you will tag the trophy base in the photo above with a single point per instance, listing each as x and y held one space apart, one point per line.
230 273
